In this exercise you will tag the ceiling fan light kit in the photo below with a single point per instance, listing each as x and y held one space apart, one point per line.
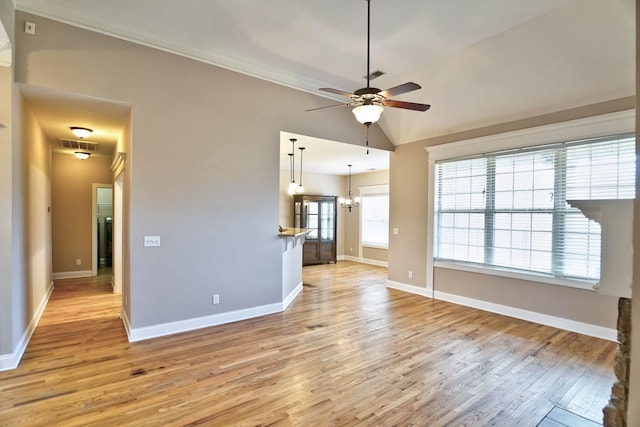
367 113
369 102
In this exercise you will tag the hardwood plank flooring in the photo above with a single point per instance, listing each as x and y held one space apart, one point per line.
347 352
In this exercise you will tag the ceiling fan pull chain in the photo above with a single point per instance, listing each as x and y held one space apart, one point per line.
367 125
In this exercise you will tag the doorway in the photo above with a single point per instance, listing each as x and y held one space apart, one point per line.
102 227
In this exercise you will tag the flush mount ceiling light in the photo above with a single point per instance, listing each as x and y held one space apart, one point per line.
82 155
81 132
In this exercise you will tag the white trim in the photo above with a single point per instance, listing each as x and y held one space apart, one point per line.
363 260
170 328
532 316
372 190
590 127
412 289
374 245
127 324
71 274
12 360
117 165
292 296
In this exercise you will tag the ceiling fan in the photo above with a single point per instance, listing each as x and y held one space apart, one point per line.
368 102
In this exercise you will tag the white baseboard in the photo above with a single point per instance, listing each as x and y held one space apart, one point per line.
409 288
518 313
12 360
72 274
127 324
292 296
363 260
155 331
532 316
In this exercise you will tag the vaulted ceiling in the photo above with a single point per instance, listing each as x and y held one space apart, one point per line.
480 62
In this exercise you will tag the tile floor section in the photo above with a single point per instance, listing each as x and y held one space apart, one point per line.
558 417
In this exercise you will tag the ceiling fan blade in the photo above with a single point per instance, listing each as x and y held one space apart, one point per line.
337 91
400 89
329 106
406 105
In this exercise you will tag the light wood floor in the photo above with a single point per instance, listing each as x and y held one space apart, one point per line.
347 352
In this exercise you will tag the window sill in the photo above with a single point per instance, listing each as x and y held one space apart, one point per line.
531 277
374 246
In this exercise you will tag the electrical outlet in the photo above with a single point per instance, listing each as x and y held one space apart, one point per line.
30 28
350 249
78 261
410 274
216 299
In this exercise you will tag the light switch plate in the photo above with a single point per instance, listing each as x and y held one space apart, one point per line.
151 241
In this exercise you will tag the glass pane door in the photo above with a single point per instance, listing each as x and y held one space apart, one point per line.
327 220
312 219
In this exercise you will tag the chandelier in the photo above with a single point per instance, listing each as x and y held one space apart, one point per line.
350 202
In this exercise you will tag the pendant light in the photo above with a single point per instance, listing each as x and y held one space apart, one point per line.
292 184
350 202
300 189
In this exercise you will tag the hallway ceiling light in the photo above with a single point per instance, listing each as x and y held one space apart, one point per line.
81 132
368 113
82 155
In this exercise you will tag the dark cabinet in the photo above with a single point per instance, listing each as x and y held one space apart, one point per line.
317 214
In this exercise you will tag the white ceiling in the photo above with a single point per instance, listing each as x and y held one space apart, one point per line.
330 157
480 62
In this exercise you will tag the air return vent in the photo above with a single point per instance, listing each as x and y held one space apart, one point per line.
375 74
78 145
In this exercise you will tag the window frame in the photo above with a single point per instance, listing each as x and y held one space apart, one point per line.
366 191
591 127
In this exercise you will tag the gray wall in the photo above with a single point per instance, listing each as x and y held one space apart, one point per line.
408 251
200 177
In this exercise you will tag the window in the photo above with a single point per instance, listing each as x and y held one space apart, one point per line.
374 215
508 209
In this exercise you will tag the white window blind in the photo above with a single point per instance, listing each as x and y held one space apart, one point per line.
509 209
375 220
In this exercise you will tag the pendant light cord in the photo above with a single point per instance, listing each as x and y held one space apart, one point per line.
301 151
